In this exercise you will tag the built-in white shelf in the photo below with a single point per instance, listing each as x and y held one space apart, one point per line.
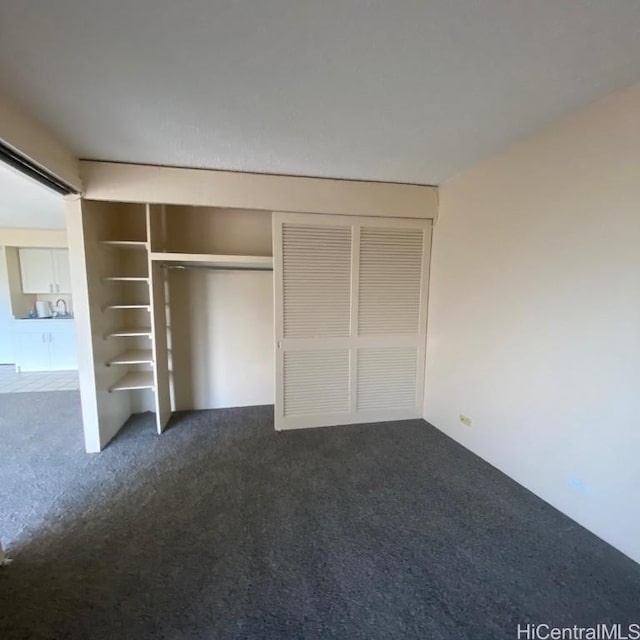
126 279
133 356
130 332
212 260
134 380
125 244
144 307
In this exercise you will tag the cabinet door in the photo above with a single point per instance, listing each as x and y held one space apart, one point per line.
32 350
36 269
62 347
350 296
62 283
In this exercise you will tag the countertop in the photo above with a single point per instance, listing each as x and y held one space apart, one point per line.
57 318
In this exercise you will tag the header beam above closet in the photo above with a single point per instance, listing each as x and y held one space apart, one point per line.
117 182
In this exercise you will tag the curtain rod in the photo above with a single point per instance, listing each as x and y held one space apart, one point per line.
200 267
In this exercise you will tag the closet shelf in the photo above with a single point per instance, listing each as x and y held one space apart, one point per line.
125 244
126 279
130 332
134 380
213 260
145 307
133 356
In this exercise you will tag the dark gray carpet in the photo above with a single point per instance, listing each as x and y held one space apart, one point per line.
222 528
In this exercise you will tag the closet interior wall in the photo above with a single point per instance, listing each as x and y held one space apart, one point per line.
218 231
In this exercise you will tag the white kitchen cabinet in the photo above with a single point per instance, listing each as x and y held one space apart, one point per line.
62 346
61 270
45 345
45 270
32 351
36 269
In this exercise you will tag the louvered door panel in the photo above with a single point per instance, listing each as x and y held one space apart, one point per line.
316 280
390 280
387 378
316 382
350 318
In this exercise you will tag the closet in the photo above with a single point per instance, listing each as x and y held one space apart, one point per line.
118 287
202 289
219 286
181 309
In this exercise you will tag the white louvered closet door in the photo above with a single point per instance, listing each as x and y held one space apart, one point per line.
350 318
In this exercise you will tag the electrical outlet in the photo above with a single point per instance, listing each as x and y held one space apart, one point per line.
466 420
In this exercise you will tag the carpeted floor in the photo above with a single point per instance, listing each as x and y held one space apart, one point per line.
222 528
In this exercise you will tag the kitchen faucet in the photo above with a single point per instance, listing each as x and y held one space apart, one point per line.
64 302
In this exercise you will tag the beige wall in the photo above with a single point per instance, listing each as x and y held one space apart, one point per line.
222 339
6 314
534 327
49 238
20 303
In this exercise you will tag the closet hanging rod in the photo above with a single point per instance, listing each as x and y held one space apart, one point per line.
200 267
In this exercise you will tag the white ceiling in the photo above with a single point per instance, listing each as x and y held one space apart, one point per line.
401 90
27 204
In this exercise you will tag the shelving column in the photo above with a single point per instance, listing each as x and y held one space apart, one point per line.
158 299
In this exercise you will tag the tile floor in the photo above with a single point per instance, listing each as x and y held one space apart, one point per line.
12 382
